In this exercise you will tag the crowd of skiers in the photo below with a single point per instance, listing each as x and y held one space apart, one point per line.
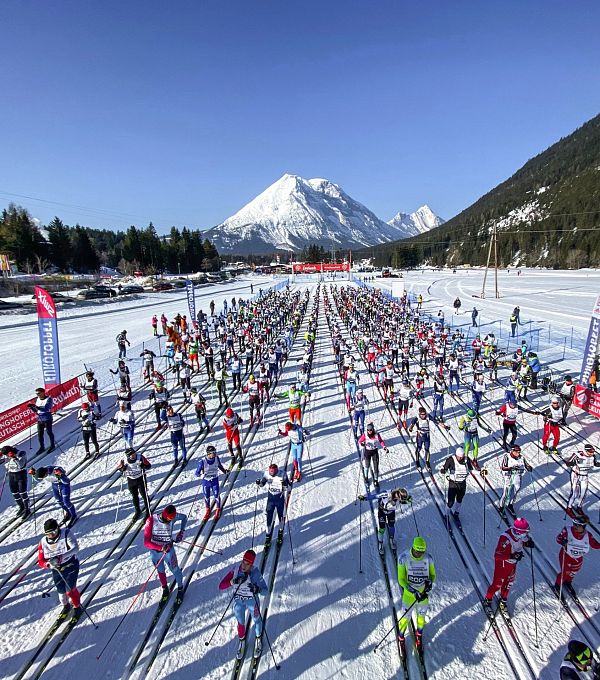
245 349
394 338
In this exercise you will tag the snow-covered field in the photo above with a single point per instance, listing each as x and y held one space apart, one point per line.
324 616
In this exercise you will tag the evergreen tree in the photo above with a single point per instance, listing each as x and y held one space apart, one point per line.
61 249
85 258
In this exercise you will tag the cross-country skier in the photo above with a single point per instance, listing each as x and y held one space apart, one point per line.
566 394
297 435
122 371
208 471
252 389
249 584
294 397
61 489
387 504
160 396
42 407
371 442
440 388
456 469
478 388
159 539
469 423
122 344
581 463
351 383
509 412
509 551
58 550
358 411
579 663
90 387
513 468
125 419
148 357
176 425
16 471
422 423
575 542
231 425
87 416
134 468
199 403
416 576
276 482
405 401
552 419
220 377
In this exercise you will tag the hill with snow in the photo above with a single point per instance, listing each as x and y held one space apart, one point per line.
294 212
418 222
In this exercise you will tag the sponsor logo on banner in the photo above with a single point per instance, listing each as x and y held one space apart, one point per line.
20 417
587 400
48 332
300 268
591 346
191 296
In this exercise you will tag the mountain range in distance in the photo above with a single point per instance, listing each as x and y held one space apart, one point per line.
294 212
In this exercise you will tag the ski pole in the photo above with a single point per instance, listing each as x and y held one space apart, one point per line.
535 496
140 591
415 518
146 497
254 520
277 666
484 474
393 627
207 642
203 548
534 600
235 531
562 562
3 482
360 571
118 502
83 609
34 508
46 593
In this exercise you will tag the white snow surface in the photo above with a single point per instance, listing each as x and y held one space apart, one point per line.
324 617
294 211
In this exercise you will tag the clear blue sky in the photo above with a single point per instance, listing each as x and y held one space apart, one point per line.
180 112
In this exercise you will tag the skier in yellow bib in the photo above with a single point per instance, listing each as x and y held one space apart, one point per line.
416 576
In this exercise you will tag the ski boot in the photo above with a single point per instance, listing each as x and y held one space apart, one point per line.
476 464
179 596
165 594
393 544
97 454
87 456
268 539
40 450
571 512
419 640
280 536
206 515
380 545
502 605
241 648
257 648
51 448
511 508
218 513
376 484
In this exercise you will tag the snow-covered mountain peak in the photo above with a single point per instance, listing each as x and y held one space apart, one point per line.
293 212
418 222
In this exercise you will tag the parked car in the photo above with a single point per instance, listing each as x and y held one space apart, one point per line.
58 297
130 289
10 305
94 293
112 292
162 285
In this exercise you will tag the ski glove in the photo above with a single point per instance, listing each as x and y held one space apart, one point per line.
179 537
166 547
54 563
517 556
240 578
385 449
362 498
254 589
419 597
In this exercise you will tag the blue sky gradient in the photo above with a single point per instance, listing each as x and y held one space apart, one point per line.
181 112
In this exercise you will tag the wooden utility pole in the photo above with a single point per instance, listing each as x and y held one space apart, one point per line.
494 245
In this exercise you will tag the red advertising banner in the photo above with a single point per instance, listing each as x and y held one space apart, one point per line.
20 417
302 268
587 400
